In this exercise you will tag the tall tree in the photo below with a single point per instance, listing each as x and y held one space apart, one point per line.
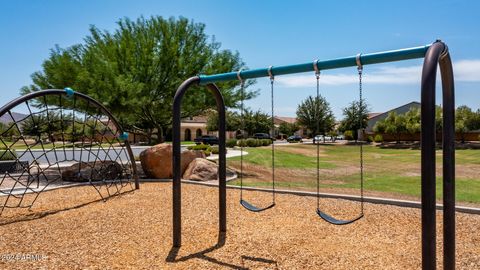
315 114
232 121
355 117
136 69
412 119
288 128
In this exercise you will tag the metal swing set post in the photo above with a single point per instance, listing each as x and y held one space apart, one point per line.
434 54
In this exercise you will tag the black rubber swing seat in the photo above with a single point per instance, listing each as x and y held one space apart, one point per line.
253 208
335 221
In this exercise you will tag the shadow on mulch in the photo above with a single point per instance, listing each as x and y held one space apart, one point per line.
42 214
172 256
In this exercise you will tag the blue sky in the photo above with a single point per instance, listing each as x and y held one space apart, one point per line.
270 33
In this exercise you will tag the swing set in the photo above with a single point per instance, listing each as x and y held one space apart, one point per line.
434 54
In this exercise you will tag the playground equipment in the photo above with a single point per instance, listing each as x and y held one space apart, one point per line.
64 138
328 218
243 202
434 54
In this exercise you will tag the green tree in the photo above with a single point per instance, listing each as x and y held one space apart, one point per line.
315 114
355 117
288 128
466 120
232 121
395 124
256 122
136 69
412 119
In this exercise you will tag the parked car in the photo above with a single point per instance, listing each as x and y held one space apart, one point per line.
294 138
262 136
321 138
206 139
341 137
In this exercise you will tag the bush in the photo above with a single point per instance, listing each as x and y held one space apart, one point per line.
251 142
369 139
215 150
378 138
201 146
231 143
242 143
266 142
348 135
207 149
8 155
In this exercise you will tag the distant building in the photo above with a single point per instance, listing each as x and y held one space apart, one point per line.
373 118
193 127
278 120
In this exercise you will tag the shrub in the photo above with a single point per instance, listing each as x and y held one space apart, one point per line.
8 155
369 139
378 138
266 142
231 143
207 149
251 142
215 150
201 146
242 143
348 135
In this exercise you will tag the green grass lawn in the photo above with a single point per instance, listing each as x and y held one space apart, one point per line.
394 171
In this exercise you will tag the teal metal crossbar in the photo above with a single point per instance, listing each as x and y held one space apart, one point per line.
366 59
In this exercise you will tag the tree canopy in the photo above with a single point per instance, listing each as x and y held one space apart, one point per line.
355 117
135 70
253 121
315 114
465 120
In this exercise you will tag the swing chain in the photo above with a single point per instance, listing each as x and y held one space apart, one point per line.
317 76
242 98
360 73
272 79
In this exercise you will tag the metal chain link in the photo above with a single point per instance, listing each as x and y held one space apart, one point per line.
242 91
272 79
317 76
360 90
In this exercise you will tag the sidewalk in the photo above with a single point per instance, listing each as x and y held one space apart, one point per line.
230 153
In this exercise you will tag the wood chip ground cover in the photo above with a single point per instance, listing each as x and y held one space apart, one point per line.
71 229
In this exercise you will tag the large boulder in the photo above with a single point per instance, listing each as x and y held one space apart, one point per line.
92 171
157 160
201 169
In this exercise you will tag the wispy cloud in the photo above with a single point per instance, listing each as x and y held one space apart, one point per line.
467 70
464 71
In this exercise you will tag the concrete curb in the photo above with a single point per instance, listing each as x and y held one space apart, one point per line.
374 200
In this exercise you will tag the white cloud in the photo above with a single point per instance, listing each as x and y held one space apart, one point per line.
467 70
464 71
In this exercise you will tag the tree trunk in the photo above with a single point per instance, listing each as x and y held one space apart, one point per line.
149 136
160 137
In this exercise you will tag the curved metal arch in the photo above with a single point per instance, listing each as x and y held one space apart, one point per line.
176 158
70 93
437 55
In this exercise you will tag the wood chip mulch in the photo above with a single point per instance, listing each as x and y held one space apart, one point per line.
71 229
